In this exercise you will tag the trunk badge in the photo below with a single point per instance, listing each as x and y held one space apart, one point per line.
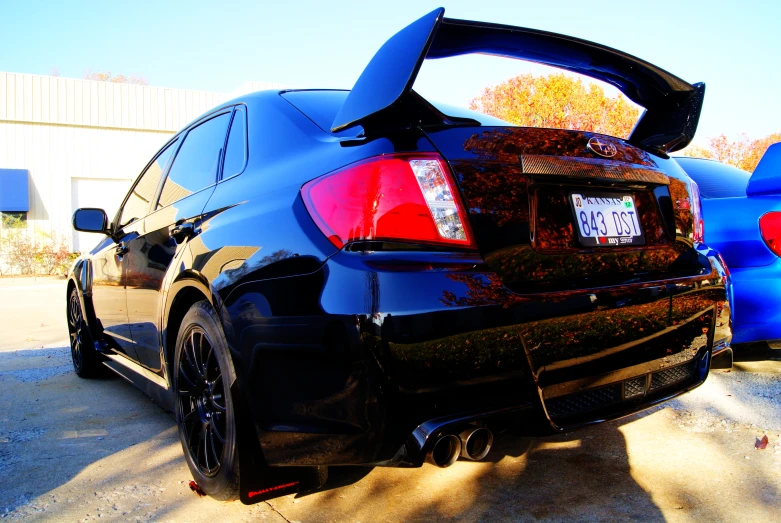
602 147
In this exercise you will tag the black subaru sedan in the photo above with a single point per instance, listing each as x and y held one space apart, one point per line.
318 277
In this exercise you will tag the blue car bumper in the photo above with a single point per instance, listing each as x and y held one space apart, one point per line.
757 303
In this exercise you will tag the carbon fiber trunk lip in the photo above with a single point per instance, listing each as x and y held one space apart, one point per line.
612 170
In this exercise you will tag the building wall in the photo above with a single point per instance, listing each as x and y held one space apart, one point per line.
55 155
64 130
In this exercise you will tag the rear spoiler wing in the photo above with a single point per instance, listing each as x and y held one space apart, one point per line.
766 178
672 105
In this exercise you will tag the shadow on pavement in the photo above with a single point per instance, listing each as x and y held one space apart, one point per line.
61 435
755 352
582 475
71 448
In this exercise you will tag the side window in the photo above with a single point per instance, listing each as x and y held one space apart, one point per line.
236 151
195 166
143 192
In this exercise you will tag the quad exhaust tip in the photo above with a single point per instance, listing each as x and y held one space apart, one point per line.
473 443
476 442
445 451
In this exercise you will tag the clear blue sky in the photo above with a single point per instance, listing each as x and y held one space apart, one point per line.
733 46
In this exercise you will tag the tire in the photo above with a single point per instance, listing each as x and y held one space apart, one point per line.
205 414
87 362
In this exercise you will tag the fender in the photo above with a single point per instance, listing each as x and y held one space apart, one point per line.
187 279
81 276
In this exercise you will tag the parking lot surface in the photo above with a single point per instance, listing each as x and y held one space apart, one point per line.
78 450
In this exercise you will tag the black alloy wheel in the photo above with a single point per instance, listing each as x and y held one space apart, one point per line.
86 360
202 401
203 374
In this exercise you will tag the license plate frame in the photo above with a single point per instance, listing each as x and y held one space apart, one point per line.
614 214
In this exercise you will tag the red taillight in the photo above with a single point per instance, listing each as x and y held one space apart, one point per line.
698 234
724 265
770 229
401 197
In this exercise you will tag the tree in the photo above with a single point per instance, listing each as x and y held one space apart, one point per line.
106 76
742 152
558 101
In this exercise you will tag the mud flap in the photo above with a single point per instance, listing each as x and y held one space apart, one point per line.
260 482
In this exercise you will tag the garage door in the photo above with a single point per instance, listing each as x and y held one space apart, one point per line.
95 192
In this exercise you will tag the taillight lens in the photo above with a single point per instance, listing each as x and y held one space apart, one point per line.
402 197
698 235
723 264
770 229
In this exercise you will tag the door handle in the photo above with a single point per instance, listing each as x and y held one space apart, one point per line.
121 250
182 231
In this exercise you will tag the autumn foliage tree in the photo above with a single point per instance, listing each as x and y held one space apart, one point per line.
106 76
742 152
558 101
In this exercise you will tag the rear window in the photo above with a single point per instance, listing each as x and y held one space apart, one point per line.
460 112
715 179
322 106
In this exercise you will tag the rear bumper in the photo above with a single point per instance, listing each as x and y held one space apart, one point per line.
348 364
613 395
757 299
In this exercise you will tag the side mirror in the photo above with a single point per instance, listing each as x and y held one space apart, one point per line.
766 178
90 220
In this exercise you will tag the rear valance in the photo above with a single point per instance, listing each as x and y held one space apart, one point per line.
672 105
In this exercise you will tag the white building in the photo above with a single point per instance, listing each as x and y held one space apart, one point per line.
82 142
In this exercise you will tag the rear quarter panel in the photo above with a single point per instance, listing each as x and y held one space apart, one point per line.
259 214
732 228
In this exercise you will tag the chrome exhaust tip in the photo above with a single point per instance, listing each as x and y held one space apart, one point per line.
476 442
445 451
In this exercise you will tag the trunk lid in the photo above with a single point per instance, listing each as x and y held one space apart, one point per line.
520 187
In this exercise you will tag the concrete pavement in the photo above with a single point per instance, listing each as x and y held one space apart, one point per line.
32 312
79 450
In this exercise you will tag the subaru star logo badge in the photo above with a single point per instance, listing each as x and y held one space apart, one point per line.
602 147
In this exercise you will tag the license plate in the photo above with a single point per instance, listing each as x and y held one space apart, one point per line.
606 220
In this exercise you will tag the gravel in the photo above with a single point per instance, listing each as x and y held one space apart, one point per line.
33 365
748 396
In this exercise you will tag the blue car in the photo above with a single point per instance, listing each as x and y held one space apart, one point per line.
742 214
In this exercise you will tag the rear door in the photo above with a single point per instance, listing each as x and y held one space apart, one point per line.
175 220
